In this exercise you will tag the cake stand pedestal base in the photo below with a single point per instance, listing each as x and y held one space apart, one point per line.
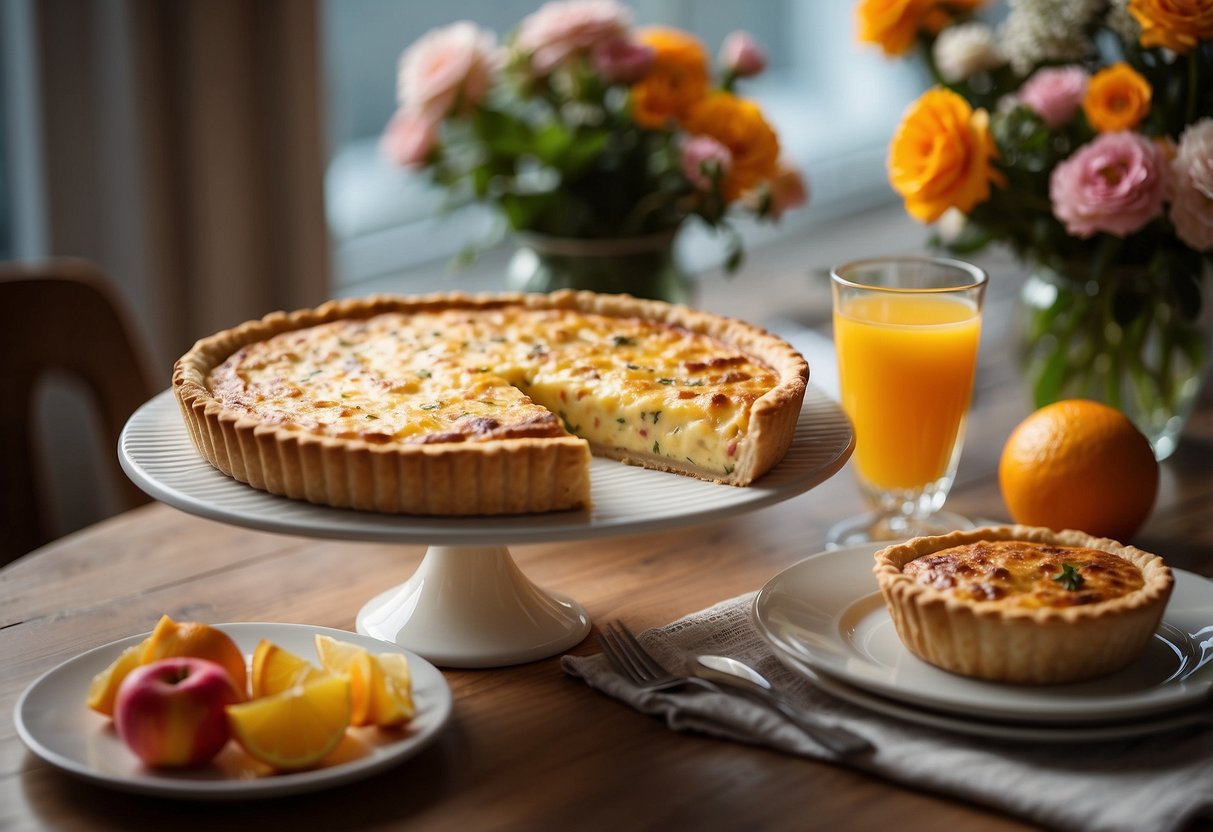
471 606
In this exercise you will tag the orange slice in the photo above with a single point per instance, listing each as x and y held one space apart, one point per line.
276 669
189 638
381 685
104 687
294 729
354 662
394 698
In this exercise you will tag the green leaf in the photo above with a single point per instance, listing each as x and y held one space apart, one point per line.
1069 577
1052 379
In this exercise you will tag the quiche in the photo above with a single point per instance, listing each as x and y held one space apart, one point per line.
1022 604
454 404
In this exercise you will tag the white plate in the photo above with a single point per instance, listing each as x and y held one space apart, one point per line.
54 722
1059 732
827 613
156 452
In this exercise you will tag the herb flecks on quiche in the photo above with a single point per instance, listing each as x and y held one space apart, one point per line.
1022 604
506 389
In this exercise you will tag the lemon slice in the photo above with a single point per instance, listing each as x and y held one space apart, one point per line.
276 669
294 729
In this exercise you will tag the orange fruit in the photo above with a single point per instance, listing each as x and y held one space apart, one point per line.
104 687
276 669
381 685
202 641
1078 464
294 729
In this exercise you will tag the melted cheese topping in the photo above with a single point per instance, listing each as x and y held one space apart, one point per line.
652 389
1022 574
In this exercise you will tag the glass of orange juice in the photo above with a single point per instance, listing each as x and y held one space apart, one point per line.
906 331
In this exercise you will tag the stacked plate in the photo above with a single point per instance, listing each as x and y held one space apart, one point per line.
826 620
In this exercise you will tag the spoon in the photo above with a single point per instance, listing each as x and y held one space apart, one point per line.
745 679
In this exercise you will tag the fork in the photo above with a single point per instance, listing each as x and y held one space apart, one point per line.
630 659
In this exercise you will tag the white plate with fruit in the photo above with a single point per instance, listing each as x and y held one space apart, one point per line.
321 707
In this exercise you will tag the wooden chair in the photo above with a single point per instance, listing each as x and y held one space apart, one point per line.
59 315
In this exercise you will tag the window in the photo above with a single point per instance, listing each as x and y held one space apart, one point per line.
833 102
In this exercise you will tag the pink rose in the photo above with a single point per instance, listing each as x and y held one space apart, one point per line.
563 28
742 56
1116 183
788 190
409 137
450 69
705 161
622 61
1055 94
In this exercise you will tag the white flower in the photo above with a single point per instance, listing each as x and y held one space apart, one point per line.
1047 30
1194 156
966 49
1192 186
1122 23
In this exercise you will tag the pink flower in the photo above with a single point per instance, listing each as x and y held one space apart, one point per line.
788 190
742 56
1116 183
409 137
705 161
1055 94
563 28
450 69
622 61
1192 186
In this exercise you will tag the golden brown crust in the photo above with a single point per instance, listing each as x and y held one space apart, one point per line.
998 641
514 475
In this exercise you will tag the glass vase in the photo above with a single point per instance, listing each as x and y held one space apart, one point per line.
1120 340
641 266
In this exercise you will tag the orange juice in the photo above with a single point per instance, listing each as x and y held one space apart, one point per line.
906 366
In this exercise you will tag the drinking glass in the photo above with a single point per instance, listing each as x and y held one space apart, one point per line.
906 331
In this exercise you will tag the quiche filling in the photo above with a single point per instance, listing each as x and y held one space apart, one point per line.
639 388
1027 575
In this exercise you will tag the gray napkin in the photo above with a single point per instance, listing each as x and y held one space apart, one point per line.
1135 785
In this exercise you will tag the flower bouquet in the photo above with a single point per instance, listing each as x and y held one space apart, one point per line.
584 128
1079 134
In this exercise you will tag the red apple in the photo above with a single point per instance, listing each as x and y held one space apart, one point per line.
171 712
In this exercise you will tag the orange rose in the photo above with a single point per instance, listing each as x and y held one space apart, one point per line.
739 126
1176 24
1117 98
893 25
940 156
676 81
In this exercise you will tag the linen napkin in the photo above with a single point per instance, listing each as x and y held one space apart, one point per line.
1147 784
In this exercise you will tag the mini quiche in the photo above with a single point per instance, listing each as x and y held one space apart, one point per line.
1022 604
491 404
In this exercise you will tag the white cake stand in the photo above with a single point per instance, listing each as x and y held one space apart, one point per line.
468 604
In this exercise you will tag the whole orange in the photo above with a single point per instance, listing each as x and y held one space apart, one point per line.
1078 464
189 638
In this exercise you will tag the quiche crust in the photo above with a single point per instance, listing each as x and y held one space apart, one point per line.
1010 639
511 475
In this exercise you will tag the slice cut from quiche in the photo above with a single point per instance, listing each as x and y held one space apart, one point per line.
492 404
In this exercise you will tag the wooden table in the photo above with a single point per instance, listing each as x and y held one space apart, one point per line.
528 747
